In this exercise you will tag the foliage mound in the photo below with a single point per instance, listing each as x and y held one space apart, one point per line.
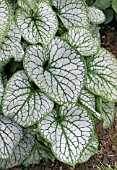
55 81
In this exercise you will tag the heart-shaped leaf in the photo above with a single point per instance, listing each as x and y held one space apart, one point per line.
22 150
108 113
38 152
39 26
96 16
11 47
87 99
58 70
72 12
4 18
102 75
10 135
91 149
68 130
23 103
82 40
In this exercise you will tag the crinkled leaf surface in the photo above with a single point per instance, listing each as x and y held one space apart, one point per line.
82 40
39 152
39 26
91 149
58 70
108 113
72 12
68 130
96 15
22 150
102 75
11 47
10 135
23 104
87 99
4 18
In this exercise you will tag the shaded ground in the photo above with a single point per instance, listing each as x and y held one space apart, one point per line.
107 137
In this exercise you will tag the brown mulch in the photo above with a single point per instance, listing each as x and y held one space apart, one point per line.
107 137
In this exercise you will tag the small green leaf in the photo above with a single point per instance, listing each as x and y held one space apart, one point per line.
96 16
72 12
102 75
57 69
114 5
109 13
4 18
68 131
22 150
82 40
38 152
39 26
22 103
108 113
102 4
10 135
87 99
90 150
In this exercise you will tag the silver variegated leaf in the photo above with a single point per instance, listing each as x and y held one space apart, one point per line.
11 47
22 103
39 26
108 113
10 135
82 40
4 18
69 131
38 152
96 16
27 4
72 12
22 150
90 150
102 75
1 88
58 70
87 99
95 31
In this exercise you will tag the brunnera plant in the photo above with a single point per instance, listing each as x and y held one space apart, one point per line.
55 81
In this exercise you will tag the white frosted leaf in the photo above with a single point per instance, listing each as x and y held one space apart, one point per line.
72 12
102 75
1 89
4 18
82 40
96 15
26 4
14 31
11 48
91 149
57 69
108 113
39 26
38 152
22 150
87 99
10 135
22 103
69 131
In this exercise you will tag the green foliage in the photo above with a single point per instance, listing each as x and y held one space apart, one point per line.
55 81
108 6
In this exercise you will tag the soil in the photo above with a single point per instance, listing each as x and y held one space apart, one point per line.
107 137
